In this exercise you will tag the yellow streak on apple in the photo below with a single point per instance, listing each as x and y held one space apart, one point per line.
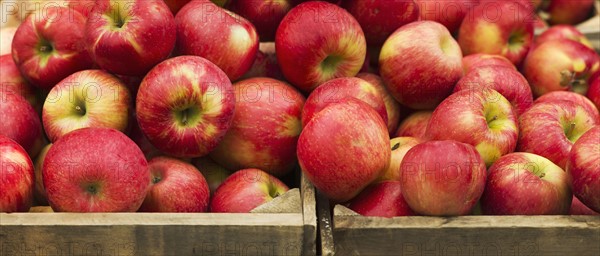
281 3
190 75
388 50
488 152
579 65
251 154
239 39
485 42
367 88
15 157
291 127
134 43
595 67
210 130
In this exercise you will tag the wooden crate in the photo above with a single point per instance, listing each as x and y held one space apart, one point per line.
591 28
279 229
347 233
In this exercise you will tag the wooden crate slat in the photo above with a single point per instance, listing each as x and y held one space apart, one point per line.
465 235
135 234
309 216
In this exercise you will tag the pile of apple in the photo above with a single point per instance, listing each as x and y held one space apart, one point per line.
392 108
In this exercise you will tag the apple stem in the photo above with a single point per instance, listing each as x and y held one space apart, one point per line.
184 117
567 78
396 146
571 128
79 109
44 48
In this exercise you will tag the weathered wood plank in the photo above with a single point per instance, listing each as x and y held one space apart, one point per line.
309 211
326 236
478 236
285 226
591 28
151 234
467 235
353 234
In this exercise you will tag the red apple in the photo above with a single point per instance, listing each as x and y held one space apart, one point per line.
563 32
399 146
529 4
333 146
85 7
576 98
89 98
392 107
526 184
383 199
185 105
420 63
222 37
569 11
539 24
506 80
265 64
129 38
379 19
136 134
476 60
245 190
177 187
335 46
498 27
265 15
578 208
561 65
222 3
583 168
16 170
265 127
414 125
448 13
6 37
593 92
20 122
39 191
95 170
437 183
50 47
214 173
483 118
337 89
176 5
549 129
11 79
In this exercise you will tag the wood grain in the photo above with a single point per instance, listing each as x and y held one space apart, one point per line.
464 235
45 233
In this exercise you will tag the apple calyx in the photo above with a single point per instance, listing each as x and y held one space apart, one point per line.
46 48
569 130
569 79
515 41
117 17
188 116
92 188
80 110
330 63
156 179
273 192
